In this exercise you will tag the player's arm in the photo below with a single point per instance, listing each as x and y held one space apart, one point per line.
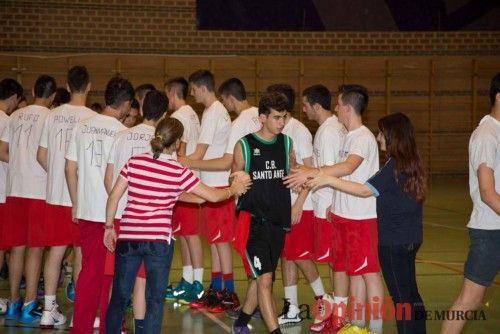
487 191
298 205
238 163
300 175
4 151
41 157
199 153
108 178
181 152
71 172
218 164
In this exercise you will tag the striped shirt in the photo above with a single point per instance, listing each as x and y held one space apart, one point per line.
153 189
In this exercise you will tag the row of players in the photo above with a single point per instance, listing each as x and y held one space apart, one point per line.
40 148
207 147
202 149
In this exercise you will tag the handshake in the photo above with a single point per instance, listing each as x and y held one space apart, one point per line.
240 183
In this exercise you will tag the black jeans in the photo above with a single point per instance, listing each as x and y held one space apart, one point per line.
398 267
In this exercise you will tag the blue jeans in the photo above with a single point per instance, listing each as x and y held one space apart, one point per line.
157 257
398 267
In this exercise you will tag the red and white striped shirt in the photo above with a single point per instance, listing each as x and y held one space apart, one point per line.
153 189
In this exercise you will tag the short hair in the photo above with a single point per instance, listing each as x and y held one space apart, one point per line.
272 100
135 104
155 105
45 86
118 90
62 97
179 85
318 94
494 88
354 95
96 106
203 78
233 87
143 89
78 79
286 90
9 87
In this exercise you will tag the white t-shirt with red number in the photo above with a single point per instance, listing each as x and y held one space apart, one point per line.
55 137
128 143
154 185
90 146
360 142
25 177
328 142
302 147
215 128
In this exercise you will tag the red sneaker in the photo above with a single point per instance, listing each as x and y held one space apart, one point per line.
337 323
208 298
226 300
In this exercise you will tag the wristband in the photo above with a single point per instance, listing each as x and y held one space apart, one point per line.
108 227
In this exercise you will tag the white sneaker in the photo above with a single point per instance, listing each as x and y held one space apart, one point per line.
3 305
52 318
292 316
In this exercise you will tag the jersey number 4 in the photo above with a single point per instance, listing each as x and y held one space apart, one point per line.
256 263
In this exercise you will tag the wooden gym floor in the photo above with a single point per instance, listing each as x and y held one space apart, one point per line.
439 274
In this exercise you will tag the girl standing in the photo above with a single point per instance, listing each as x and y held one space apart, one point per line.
399 187
155 182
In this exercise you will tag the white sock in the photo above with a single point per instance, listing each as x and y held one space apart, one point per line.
317 287
338 300
49 302
376 326
198 275
187 274
291 294
358 318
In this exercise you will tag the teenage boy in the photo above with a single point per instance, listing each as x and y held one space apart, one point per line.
265 210
86 159
60 230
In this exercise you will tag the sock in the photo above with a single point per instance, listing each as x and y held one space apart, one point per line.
276 331
228 281
49 302
216 281
317 287
138 326
376 326
243 319
338 300
358 316
187 274
198 275
291 294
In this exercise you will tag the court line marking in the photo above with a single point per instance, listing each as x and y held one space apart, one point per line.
216 320
447 226
444 266
439 262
